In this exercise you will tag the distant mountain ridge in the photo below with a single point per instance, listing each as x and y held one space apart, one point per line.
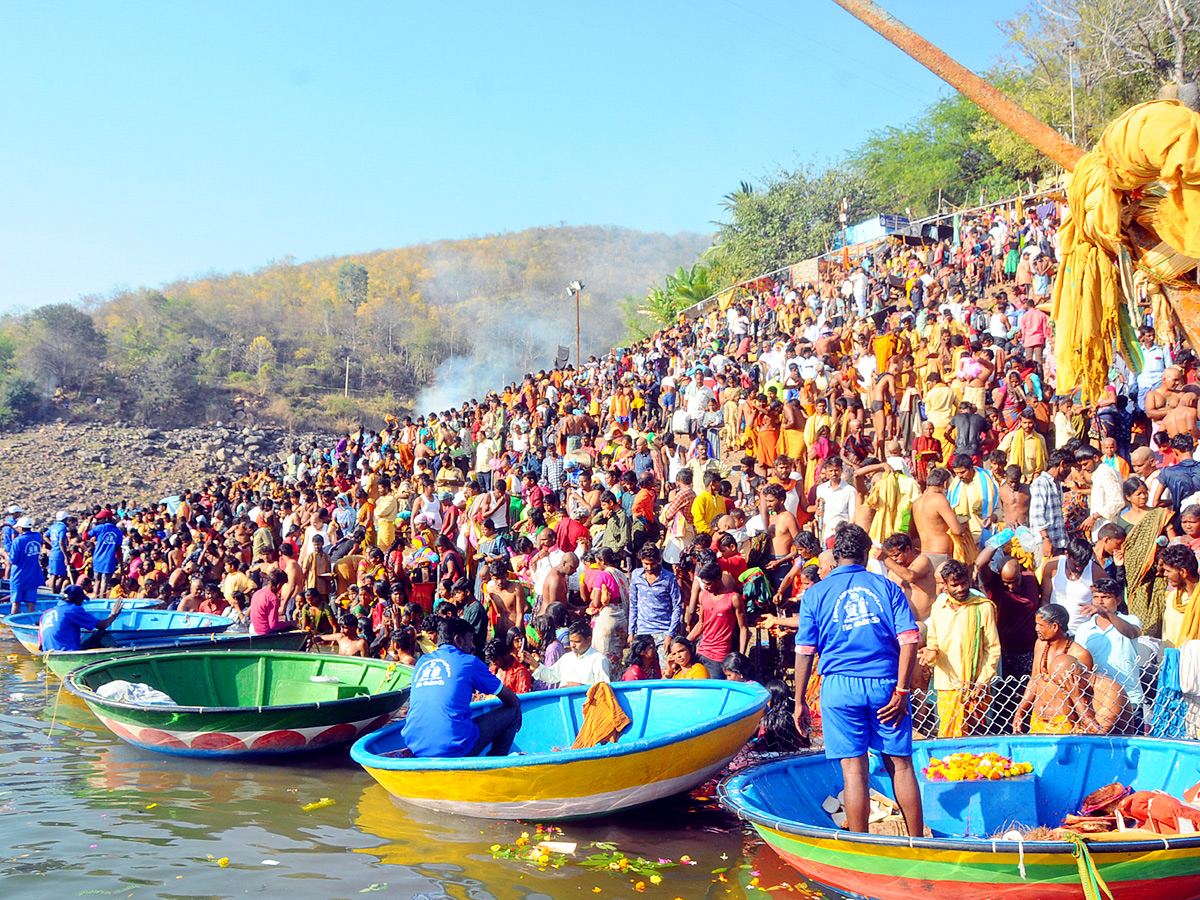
451 317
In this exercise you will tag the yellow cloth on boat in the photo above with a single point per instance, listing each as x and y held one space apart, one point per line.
1155 141
603 718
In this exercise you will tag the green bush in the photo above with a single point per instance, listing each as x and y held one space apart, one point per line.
18 400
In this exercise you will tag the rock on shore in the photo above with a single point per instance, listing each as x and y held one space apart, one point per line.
74 466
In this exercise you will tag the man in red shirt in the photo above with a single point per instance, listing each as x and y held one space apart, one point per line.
1035 330
264 606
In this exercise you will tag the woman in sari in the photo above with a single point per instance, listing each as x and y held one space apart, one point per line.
1010 397
601 591
1137 494
1145 587
820 450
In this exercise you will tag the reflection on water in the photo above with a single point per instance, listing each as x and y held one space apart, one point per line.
85 814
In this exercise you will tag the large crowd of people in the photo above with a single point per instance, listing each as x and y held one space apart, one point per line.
662 511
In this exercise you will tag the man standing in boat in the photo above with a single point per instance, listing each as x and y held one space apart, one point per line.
863 628
439 722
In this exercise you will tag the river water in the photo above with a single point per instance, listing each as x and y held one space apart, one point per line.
84 814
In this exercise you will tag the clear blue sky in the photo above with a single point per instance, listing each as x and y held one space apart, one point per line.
142 142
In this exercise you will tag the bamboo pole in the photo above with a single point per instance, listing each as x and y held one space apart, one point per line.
962 79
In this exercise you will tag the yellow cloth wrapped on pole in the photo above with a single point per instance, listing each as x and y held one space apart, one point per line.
1159 140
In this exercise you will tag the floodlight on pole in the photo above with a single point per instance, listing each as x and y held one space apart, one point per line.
576 288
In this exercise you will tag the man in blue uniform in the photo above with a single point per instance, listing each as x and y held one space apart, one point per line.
60 625
25 574
439 722
56 538
861 625
108 538
8 533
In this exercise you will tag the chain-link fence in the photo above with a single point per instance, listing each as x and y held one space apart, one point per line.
1064 697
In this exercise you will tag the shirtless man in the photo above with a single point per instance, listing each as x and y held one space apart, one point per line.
509 598
1057 701
554 587
828 344
295 583
1162 400
1055 693
883 403
935 519
1014 498
782 529
1182 419
913 572
349 642
190 602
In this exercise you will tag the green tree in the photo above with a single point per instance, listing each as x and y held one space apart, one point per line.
66 349
788 217
352 283
18 400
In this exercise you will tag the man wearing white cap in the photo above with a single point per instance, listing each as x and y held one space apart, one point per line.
8 532
56 537
25 572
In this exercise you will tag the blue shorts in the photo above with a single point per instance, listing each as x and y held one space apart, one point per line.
850 718
27 595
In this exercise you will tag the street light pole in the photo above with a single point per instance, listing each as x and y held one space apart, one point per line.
575 287
1071 81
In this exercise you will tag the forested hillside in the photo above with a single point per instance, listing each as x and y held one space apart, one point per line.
466 313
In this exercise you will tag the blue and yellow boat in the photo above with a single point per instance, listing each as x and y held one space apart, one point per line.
130 628
682 733
783 801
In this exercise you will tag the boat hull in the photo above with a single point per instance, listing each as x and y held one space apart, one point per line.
248 728
782 800
132 627
565 784
862 870
570 790
62 663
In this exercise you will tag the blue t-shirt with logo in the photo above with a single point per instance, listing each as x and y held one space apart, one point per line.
26 556
439 705
60 626
57 533
108 539
853 618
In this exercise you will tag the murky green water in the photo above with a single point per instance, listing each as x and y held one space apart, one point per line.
83 814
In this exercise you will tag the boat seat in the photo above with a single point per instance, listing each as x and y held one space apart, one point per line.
287 692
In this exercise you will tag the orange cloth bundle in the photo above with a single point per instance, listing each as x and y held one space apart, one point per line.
1158 812
603 718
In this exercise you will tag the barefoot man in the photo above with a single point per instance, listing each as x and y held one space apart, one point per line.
936 522
861 625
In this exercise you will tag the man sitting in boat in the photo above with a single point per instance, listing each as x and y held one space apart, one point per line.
439 722
863 628
583 665
60 625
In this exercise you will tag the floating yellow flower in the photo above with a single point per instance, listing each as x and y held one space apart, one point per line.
223 862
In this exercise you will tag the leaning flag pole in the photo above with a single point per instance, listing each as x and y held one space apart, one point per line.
966 82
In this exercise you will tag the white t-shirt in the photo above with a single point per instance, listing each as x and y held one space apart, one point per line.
839 502
1114 654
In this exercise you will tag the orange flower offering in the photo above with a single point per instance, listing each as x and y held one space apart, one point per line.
972 767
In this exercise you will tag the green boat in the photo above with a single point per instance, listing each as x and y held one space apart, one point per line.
230 703
60 662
